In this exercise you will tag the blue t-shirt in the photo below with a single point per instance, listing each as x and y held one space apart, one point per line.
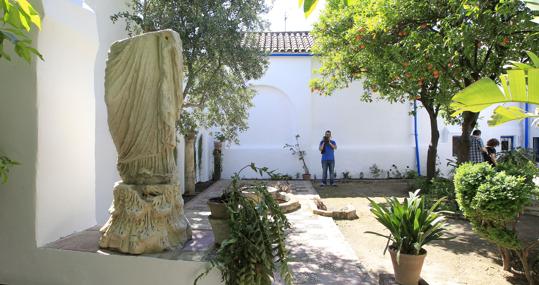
328 151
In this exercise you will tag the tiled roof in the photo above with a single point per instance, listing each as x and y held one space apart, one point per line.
284 42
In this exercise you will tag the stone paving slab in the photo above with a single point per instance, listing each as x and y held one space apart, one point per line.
319 253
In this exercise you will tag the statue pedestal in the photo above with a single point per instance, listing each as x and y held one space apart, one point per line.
145 219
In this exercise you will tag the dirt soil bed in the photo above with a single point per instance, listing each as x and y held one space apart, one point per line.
467 259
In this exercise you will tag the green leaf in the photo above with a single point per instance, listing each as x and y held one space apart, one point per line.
309 6
34 17
520 65
24 21
534 58
517 85
504 114
477 97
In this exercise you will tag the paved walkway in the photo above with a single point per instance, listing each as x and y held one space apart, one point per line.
319 253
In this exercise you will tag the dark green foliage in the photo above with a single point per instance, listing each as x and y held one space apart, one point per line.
218 59
411 223
492 201
274 175
199 153
217 164
5 164
256 247
435 189
519 162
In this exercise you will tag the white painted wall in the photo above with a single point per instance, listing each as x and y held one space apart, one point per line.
105 151
47 124
65 87
366 133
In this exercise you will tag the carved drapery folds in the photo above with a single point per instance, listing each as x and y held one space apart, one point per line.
143 93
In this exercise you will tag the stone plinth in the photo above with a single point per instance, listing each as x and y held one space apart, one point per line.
145 219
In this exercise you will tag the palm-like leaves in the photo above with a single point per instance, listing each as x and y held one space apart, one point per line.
410 223
519 84
485 92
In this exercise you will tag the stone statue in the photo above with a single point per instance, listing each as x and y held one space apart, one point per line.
143 93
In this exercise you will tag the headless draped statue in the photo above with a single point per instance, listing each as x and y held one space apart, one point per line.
143 93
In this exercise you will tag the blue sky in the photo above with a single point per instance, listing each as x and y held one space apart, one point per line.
296 20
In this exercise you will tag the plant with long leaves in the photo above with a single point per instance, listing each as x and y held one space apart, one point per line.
256 247
296 150
411 224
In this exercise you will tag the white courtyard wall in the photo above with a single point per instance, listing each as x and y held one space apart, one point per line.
105 152
47 117
65 102
366 133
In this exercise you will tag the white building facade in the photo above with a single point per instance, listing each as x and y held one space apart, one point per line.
366 133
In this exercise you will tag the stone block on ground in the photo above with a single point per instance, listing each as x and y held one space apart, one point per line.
345 213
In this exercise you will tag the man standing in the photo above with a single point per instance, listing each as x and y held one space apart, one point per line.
327 149
477 147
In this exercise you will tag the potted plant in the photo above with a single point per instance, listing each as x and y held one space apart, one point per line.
255 248
296 150
411 226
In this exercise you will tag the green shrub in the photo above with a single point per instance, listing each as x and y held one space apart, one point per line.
435 189
519 162
492 201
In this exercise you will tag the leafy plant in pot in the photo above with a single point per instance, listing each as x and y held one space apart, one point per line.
411 225
296 150
254 249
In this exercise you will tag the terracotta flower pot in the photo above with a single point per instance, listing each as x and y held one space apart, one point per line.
306 176
220 229
218 209
408 269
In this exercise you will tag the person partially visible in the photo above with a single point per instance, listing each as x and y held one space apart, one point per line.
477 148
327 148
490 155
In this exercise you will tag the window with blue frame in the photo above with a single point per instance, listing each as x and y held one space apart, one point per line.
507 143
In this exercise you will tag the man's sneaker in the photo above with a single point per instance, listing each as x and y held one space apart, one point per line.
322 185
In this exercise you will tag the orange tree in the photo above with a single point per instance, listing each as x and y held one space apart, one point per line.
421 49
366 40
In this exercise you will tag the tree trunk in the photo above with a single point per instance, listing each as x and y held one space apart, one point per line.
523 255
468 124
190 175
433 146
506 258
